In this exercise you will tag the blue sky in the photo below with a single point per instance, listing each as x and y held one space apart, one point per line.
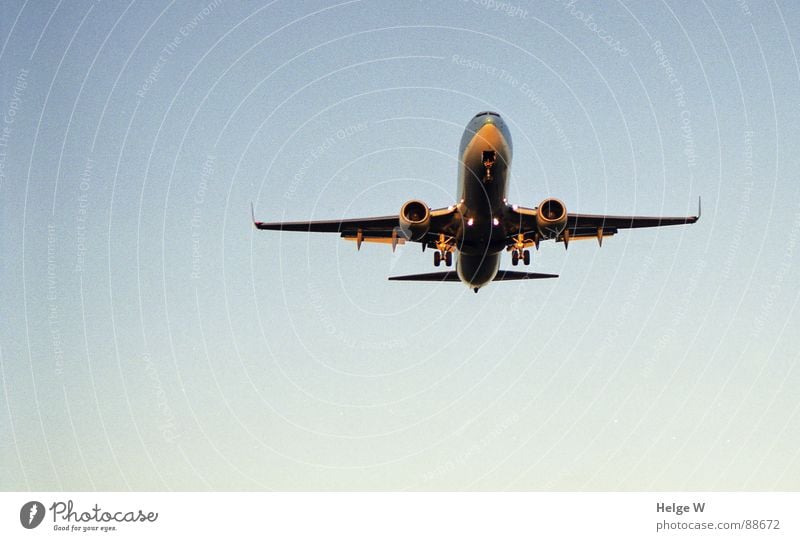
152 340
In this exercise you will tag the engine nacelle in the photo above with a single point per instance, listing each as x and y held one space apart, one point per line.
551 218
415 219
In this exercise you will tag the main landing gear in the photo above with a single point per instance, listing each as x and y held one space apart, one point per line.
446 256
518 252
443 252
524 255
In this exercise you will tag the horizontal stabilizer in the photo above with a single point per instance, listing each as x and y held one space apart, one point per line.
503 276
446 276
452 276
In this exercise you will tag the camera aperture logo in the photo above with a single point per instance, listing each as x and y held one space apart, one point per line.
31 515
66 518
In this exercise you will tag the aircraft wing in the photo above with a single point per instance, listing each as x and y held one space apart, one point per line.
582 226
378 224
578 223
597 226
381 229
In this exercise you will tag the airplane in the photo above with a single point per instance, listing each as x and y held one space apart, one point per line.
473 232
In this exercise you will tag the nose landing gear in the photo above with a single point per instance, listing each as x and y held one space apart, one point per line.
489 157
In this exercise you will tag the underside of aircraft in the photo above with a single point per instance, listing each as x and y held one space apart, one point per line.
473 232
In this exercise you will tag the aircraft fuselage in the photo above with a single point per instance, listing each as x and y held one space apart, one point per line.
485 153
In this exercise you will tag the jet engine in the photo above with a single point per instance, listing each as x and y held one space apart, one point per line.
415 219
551 218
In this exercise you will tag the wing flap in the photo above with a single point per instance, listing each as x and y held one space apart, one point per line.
368 237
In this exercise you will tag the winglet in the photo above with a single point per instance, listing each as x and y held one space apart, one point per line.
253 215
699 208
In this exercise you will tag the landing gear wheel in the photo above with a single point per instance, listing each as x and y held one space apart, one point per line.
437 258
515 258
448 259
526 257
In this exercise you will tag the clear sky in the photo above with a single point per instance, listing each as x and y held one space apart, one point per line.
151 339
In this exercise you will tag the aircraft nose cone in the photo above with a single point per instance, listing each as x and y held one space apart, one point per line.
491 135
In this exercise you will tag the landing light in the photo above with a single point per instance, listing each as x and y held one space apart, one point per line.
496 221
470 221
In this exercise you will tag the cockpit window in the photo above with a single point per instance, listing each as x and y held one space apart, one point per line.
486 113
